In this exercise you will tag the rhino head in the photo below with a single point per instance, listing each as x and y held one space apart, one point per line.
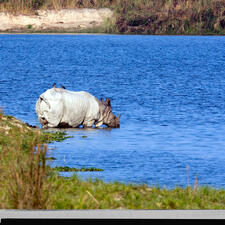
109 119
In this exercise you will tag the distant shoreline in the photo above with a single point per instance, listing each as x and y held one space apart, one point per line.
101 34
54 33
153 17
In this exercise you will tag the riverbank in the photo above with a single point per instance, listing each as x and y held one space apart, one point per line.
27 183
155 17
65 20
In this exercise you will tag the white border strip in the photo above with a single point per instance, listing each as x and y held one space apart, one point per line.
114 214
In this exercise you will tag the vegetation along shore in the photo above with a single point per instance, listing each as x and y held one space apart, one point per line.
27 182
178 17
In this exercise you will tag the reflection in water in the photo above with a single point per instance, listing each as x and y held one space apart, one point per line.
86 129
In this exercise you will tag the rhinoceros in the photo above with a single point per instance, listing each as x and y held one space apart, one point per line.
61 108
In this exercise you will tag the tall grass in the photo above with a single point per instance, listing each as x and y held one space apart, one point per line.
171 16
20 6
29 6
23 171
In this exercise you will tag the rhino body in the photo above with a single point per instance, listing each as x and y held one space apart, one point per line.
58 107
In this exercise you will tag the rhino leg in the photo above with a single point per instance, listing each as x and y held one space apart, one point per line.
64 125
89 123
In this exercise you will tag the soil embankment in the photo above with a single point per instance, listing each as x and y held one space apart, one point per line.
68 20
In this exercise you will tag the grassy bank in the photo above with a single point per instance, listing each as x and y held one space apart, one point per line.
23 171
26 182
73 193
140 16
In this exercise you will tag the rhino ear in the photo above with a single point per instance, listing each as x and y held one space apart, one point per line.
108 102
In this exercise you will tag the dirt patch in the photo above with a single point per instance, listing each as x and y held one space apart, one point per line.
9 122
65 20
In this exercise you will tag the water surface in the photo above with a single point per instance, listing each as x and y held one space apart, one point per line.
169 91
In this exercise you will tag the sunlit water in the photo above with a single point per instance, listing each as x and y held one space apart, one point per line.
169 90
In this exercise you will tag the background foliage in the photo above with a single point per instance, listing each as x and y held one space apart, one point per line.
140 16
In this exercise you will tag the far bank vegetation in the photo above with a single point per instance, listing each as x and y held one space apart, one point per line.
140 16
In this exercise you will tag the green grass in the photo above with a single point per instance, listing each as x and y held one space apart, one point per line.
69 169
50 158
27 183
23 173
95 194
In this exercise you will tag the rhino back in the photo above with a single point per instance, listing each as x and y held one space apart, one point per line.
78 107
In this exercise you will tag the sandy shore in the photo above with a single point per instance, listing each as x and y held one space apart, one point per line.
51 20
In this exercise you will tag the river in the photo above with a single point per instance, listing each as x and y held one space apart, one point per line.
169 90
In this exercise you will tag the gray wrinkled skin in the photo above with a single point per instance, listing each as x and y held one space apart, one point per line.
109 119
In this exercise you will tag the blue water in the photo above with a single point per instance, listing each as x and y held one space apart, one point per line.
169 90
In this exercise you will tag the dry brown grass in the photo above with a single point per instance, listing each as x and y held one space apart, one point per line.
171 16
141 16
30 6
